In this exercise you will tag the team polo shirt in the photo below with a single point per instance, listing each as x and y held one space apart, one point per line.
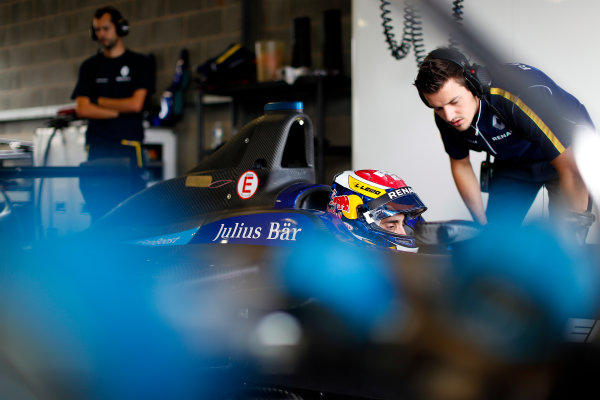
541 117
117 78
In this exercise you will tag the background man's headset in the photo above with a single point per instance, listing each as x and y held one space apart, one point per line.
121 24
477 77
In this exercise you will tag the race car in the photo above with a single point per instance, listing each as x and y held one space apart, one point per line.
244 279
259 188
252 215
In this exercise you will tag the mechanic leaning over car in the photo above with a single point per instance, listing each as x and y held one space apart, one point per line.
526 124
111 90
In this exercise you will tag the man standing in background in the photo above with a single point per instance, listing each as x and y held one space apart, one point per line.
111 91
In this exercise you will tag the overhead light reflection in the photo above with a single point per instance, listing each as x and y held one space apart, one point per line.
586 148
279 329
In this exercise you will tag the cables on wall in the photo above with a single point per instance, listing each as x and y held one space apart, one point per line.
457 15
412 33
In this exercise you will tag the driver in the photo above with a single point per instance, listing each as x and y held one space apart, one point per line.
377 207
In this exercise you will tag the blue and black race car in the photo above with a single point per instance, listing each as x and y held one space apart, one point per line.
259 188
244 279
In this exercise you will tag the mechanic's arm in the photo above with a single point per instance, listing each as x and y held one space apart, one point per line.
468 187
570 181
133 104
86 109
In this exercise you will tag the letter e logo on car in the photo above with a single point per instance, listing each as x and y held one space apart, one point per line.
247 185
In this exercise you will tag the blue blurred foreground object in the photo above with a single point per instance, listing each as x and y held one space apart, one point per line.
514 291
85 322
351 281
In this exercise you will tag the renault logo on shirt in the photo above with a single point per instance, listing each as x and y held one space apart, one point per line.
124 74
502 136
496 123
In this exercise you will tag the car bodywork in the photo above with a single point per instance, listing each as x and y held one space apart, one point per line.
233 282
258 188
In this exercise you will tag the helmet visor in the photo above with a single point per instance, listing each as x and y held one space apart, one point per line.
391 204
393 208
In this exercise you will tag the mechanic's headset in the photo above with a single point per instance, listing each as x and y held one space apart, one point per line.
121 24
476 76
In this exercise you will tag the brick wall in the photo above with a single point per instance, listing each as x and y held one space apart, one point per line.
43 42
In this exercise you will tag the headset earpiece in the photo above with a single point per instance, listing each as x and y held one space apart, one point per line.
122 27
477 78
121 24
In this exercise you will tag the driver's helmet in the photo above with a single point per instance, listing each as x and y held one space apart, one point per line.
364 198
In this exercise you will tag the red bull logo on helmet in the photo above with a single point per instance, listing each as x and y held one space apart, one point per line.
338 203
344 206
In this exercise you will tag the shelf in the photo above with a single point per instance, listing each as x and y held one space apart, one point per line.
304 87
216 99
253 97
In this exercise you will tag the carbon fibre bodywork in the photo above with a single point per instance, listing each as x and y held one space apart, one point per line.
258 188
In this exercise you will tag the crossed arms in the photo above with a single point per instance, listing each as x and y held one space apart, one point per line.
108 107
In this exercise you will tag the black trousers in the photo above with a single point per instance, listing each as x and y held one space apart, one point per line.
122 161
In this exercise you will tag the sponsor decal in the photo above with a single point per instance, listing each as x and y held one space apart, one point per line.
522 66
394 194
172 239
270 228
247 185
344 205
339 203
364 189
219 183
205 181
198 181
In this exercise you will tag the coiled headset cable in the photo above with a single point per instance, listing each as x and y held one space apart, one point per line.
412 34
457 14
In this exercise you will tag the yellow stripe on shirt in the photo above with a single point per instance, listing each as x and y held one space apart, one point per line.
138 150
532 115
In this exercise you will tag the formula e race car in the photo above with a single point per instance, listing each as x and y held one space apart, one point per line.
251 218
259 188
243 279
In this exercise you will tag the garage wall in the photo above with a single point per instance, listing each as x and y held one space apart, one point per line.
43 42
392 129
